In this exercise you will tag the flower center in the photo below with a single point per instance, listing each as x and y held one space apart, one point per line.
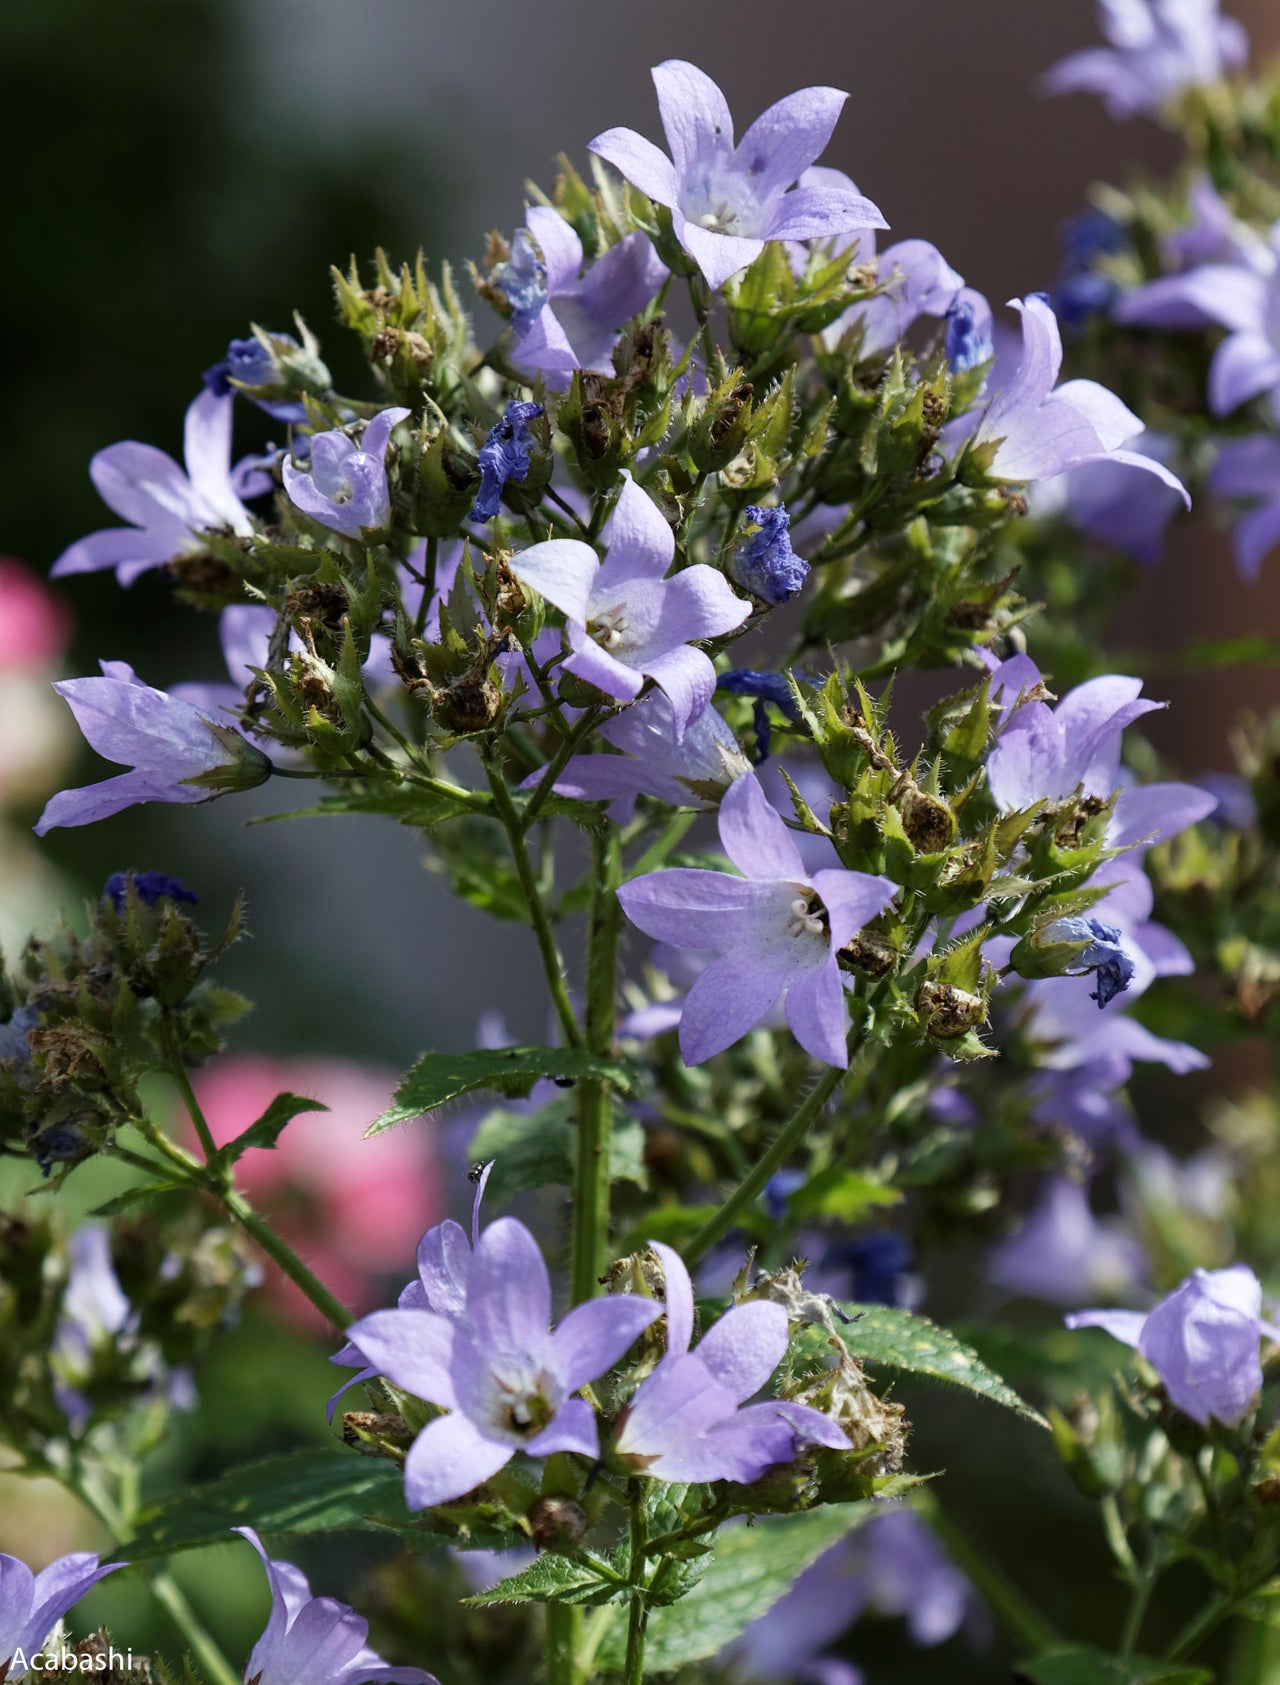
808 917
725 206
609 627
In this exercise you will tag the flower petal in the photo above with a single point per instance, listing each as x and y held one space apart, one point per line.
816 1014
509 1291
596 1335
444 1264
730 998
1243 365
448 1459
744 1347
415 1349
559 244
574 1428
640 162
821 213
688 680
852 899
693 908
678 1297
718 256
641 544
695 115
1121 1325
784 140
754 835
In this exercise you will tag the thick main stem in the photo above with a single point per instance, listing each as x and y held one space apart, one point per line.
638 1613
776 1155
595 1105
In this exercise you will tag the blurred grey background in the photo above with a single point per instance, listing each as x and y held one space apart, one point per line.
193 164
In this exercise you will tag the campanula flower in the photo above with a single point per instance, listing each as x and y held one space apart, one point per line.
345 487
968 339
1063 1253
563 320
31 1605
916 281
1202 1340
1158 48
763 563
176 753
171 512
1106 955
484 1352
1248 471
766 689
627 621
727 201
775 930
689 1419
316 1639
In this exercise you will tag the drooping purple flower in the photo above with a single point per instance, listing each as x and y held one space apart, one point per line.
1248 471
31 1605
176 753
775 930
564 321
1063 1253
689 1420
1041 429
1106 954
968 341
149 887
1084 1052
764 563
1158 48
728 201
345 487
1214 234
315 1639
504 455
171 512
482 1350
653 762
766 688
627 621
1202 1340
917 281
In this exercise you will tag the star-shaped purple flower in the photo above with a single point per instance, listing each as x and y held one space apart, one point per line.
727 201
176 753
1202 1339
170 511
484 1352
627 621
563 320
345 487
689 1419
1158 48
31 1605
315 1639
776 929
1042 429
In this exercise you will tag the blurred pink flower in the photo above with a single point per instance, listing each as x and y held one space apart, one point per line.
352 1209
34 625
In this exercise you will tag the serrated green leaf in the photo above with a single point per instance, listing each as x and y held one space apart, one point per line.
1080 1665
410 804
751 1569
438 1077
313 1491
842 1195
585 1577
267 1129
898 1339
535 1149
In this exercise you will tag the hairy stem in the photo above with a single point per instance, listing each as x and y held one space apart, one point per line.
564 1626
595 1104
638 1613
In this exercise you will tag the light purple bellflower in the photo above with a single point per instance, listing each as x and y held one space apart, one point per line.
482 1350
1041 429
31 1605
1063 1253
563 320
1248 470
689 1419
315 1640
918 281
345 484
775 929
1158 48
176 752
1202 1340
170 511
727 201
627 621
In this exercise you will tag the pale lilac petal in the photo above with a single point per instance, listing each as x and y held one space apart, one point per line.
695 116
324 1638
1121 1325
1151 465
596 1335
559 244
692 908
92 802
207 447
700 603
1099 70
563 571
1243 365
415 1349
640 162
816 1014
726 1001
754 835
852 899
1254 537
53 1591
1152 813
819 213
678 1297
373 441
574 1429
741 1448
718 256
143 485
448 1459
1111 419
546 346
641 544
812 1427
1232 296
687 678
305 495
444 1266
509 1291
1026 763
619 284
784 140
1038 366
110 547
743 1347
17 1591
595 666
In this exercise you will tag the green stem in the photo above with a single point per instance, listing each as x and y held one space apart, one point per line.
552 963
1198 1629
756 1180
279 1252
428 587
564 1626
178 1071
556 765
638 1613
595 1103
1019 1618
1138 1601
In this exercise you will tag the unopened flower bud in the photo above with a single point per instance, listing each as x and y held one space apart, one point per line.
557 1524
